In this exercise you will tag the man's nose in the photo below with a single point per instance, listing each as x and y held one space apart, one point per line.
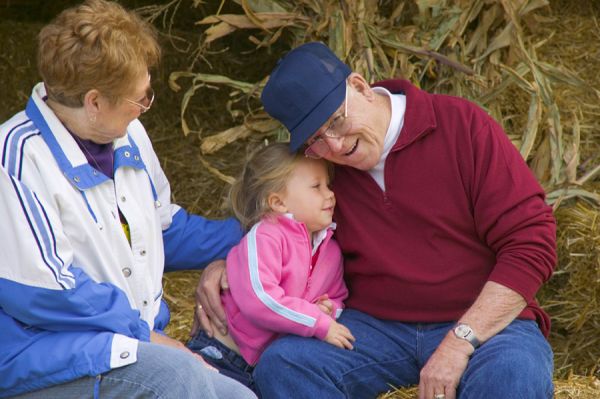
335 144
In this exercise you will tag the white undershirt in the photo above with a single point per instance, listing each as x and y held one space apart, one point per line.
398 102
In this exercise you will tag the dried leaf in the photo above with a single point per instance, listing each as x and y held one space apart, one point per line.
531 5
533 120
541 160
571 154
556 143
337 37
560 75
217 141
501 40
564 194
252 16
261 6
227 179
218 31
228 23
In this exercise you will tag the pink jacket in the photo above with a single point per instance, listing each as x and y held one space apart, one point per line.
274 281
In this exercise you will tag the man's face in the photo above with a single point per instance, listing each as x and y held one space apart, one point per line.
361 145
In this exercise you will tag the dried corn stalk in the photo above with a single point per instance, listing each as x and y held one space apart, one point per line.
484 50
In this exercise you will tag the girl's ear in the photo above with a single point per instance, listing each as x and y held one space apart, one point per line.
276 203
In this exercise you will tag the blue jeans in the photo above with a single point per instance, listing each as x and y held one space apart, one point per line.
160 372
516 363
227 361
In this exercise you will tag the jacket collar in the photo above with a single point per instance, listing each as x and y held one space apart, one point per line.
290 217
419 118
317 238
66 152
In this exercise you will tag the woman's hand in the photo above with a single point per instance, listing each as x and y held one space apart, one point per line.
208 300
165 340
339 335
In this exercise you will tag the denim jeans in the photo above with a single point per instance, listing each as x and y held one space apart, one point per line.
227 361
160 372
516 363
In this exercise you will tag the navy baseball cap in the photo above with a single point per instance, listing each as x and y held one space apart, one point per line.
306 87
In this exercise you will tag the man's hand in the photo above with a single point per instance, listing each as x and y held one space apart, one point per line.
160 339
208 299
339 335
442 372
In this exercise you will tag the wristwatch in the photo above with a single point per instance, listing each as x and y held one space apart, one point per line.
464 331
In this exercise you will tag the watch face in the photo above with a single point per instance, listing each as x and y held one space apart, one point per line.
462 330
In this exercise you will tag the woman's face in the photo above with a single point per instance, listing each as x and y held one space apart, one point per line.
112 119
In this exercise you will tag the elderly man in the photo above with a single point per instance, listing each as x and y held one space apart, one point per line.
445 234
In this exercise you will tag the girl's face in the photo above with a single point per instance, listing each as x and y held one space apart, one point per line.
307 195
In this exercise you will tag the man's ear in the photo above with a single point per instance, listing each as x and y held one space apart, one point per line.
360 85
276 203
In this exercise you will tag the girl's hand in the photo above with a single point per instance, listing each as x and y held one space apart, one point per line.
339 335
325 304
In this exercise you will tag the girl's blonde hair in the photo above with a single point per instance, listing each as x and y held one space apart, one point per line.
265 172
95 45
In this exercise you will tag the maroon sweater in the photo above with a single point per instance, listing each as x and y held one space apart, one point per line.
461 208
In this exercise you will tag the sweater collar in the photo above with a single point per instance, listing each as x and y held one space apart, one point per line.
419 118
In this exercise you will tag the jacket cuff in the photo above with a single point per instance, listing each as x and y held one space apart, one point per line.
123 351
322 327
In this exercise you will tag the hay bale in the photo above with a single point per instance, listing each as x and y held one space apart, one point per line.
178 288
573 387
572 296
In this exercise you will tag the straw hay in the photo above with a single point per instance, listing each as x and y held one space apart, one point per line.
574 387
178 290
573 295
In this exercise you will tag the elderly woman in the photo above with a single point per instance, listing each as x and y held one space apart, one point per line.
88 227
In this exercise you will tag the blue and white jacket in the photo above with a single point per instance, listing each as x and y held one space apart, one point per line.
75 295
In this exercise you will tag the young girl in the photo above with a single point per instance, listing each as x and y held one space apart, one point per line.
285 276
